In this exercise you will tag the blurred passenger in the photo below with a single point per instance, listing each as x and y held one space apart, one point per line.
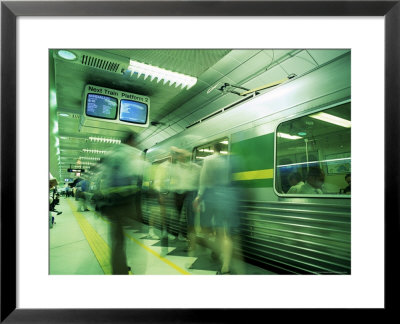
221 201
52 211
184 183
121 174
147 194
82 188
314 181
95 182
295 182
347 190
67 191
162 184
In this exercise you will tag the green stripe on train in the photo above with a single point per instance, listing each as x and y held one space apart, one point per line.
256 157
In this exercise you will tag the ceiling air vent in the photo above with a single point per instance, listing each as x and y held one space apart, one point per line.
100 63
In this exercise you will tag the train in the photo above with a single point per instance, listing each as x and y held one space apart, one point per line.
303 123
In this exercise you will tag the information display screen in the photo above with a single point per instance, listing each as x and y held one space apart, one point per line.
101 106
133 112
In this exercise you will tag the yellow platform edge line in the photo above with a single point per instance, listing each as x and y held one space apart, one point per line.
254 175
83 222
171 264
99 247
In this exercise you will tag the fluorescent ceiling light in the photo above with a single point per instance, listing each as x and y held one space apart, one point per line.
91 158
94 151
224 142
64 115
161 74
86 163
55 127
288 136
105 140
332 119
53 99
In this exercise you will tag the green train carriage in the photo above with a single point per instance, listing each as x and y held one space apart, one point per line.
302 123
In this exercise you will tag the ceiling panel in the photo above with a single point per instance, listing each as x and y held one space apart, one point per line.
299 64
322 55
243 55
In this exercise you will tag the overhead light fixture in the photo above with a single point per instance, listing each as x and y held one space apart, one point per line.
94 151
86 163
63 115
154 72
302 133
55 127
332 119
105 140
53 99
66 55
224 142
91 158
288 136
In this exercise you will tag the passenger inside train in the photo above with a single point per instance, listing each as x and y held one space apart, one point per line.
314 181
295 183
347 190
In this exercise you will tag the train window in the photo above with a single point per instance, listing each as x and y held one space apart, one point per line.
313 154
205 150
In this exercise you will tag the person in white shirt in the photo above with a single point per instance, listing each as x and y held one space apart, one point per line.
221 205
184 183
178 179
314 181
295 183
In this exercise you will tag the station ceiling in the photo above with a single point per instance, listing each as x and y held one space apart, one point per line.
172 109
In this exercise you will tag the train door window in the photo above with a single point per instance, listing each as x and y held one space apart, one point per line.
201 152
313 154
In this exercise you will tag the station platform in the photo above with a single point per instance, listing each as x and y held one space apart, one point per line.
80 245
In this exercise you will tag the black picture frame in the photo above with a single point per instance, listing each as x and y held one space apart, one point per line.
10 10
